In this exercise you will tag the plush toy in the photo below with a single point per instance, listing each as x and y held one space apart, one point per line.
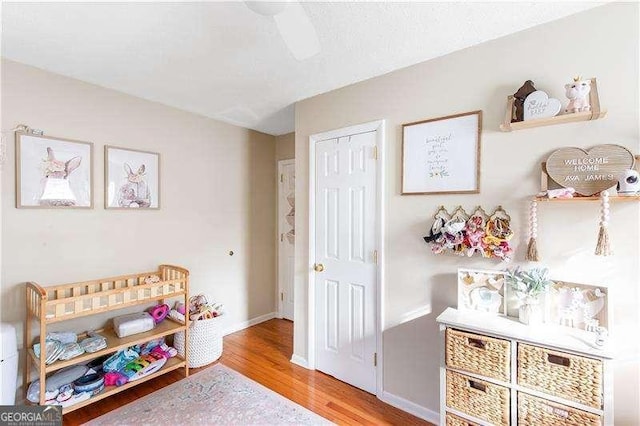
578 95
525 90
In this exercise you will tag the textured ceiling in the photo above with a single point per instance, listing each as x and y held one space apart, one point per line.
224 61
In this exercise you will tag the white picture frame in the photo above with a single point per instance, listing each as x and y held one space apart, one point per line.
53 173
132 179
482 291
442 155
575 305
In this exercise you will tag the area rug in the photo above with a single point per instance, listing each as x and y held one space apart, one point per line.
216 395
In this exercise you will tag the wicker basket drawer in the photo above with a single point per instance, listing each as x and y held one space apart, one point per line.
572 377
453 420
478 354
533 411
478 398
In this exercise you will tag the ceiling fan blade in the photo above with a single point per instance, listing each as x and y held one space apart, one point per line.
297 31
266 8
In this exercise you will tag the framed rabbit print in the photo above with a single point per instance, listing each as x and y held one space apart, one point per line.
132 179
53 172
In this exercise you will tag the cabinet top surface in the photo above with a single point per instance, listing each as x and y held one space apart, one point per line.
556 337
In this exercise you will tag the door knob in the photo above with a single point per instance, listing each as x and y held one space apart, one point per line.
318 267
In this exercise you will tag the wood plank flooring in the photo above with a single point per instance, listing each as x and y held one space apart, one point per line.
262 353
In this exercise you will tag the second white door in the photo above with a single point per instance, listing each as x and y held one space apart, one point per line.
287 235
346 256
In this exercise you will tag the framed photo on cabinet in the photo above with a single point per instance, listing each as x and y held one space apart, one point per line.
442 155
132 179
53 173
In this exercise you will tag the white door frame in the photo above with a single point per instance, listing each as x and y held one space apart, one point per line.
379 127
279 289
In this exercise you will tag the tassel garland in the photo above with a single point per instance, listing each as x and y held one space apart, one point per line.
532 248
603 247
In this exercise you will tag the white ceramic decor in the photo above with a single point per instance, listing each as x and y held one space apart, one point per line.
539 105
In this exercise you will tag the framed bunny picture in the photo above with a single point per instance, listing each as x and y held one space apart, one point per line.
132 179
53 173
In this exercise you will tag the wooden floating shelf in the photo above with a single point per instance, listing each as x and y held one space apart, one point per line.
595 114
558 119
613 199
170 365
114 344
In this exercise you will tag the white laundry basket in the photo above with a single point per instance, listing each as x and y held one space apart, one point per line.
8 364
205 342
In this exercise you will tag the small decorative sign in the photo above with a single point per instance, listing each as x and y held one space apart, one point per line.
539 105
589 172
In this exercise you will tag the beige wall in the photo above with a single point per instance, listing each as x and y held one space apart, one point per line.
481 77
218 194
286 146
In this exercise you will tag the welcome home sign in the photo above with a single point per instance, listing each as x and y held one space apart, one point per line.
589 171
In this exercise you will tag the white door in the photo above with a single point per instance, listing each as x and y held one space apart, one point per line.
345 263
286 236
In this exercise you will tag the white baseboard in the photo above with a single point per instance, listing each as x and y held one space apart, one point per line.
249 323
410 407
298 360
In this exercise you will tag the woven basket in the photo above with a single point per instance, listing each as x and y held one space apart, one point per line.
534 411
478 398
453 420
205 342
478 354
572 377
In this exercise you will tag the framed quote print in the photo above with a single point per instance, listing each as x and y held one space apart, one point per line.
442 155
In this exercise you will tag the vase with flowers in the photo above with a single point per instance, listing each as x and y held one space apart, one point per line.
530 286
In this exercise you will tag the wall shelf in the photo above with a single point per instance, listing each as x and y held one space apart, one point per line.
547 183
595 114
612 199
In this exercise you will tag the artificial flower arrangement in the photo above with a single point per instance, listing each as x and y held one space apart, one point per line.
479 234
529 286
528 283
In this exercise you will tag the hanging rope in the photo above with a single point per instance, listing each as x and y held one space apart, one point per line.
532 247
603 248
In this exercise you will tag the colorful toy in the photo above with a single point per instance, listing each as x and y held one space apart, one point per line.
578 94
159 312
115 378
143 366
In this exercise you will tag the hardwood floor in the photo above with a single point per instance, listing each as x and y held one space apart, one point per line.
262 353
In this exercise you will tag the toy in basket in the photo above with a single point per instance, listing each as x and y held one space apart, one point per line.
205 331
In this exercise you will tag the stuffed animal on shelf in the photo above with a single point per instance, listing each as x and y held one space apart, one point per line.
518 104
578 94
